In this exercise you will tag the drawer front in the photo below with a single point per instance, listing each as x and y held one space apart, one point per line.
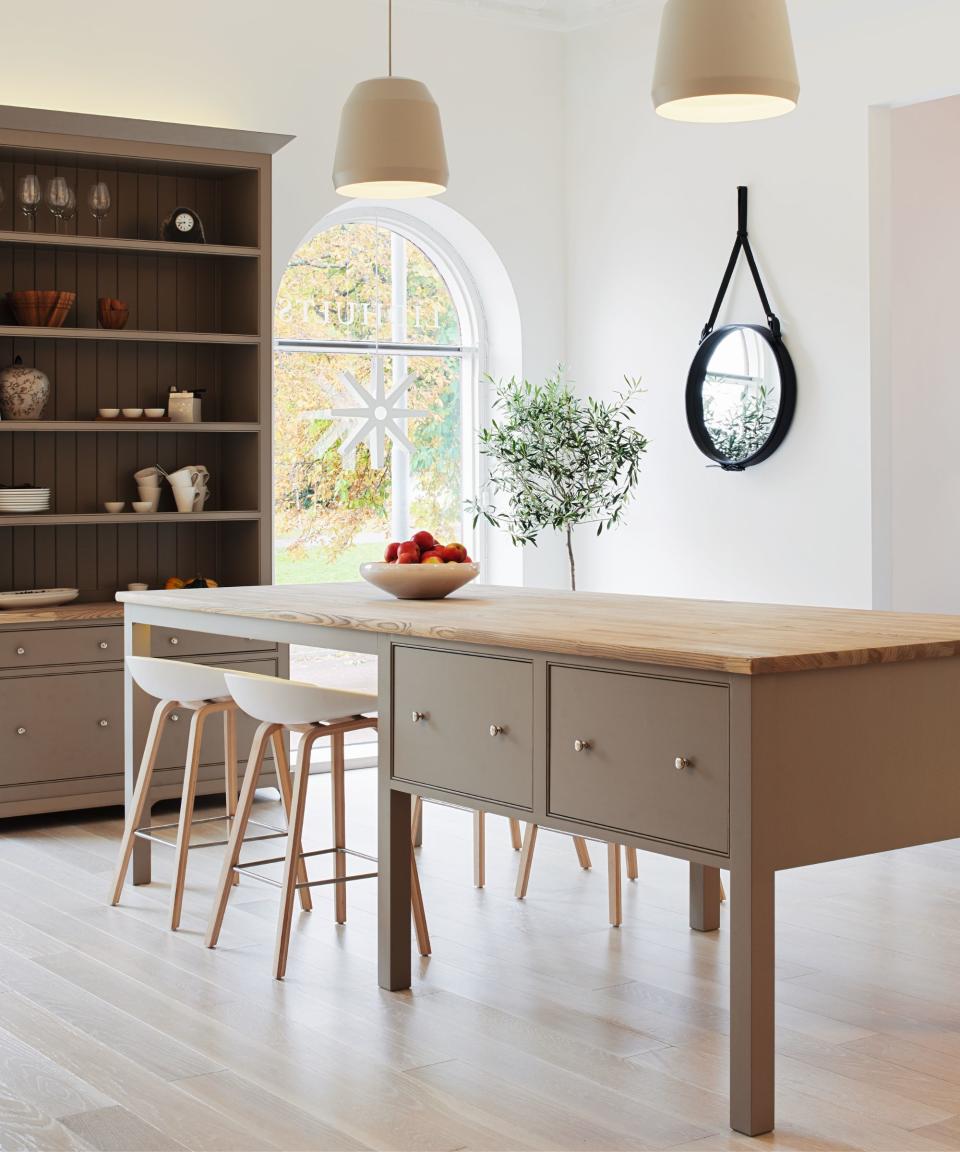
634 729
57 727
173 747
41 646
171 642
459 698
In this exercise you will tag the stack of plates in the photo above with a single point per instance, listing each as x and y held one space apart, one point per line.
24 500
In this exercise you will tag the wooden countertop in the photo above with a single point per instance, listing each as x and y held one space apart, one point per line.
697 634
63 614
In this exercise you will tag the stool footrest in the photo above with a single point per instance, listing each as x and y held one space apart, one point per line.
251 864
148 833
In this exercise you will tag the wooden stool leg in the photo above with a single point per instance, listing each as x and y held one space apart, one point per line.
633 871
294 837
230 769
416 822
283 783
583 854
238 829
516 839
613 885
191 771
479 849
141 795
417 909
526 860
339 825
723 892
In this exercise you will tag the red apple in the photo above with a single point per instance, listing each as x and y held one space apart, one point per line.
455 553
432 558
409 548
392 552
423 540
467 560
408 558
430 554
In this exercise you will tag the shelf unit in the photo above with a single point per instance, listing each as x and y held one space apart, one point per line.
200 318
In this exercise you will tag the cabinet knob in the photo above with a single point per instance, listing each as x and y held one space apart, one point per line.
174 716
21 651
103 645
104 723
582 745
416 717
682 762
21 731
174 640
496 730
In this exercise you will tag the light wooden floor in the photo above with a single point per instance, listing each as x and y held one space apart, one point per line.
533 1026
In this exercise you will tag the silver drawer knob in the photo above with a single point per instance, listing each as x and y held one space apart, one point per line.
682 762
104 723
582 745
21 731
103 645
21 651
174 716
496 730
416 717
174 640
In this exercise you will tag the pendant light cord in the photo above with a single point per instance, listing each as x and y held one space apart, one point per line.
389 37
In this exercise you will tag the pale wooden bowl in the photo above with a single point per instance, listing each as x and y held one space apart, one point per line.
418 581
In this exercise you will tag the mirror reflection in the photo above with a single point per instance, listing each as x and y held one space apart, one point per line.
741 394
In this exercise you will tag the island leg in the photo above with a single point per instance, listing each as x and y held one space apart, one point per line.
752 1001
393 852
136 709
704 898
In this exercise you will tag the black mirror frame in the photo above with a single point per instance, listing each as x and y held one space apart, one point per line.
694 397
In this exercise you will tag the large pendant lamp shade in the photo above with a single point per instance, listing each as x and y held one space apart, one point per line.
390 145
721 61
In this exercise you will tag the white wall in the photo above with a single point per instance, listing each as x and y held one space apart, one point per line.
925 369
651 218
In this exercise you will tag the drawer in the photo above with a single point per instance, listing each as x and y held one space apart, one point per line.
31 648
173 747
171 642
459 698
635 728
57 727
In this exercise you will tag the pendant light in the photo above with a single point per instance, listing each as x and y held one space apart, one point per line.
390 145
721 61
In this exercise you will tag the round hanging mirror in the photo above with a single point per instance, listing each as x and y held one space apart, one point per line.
741 393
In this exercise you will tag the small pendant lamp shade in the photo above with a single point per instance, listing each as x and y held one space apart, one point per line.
391 142
721 61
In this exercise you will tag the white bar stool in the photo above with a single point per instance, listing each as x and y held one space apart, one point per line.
202 690
313 712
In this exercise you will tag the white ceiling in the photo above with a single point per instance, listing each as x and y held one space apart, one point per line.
555 13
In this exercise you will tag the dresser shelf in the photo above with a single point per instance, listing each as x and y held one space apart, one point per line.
115 426
119 244
79 519
125 335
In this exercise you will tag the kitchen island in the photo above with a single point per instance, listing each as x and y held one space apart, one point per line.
750 737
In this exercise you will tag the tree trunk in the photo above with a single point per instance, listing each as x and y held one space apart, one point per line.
573 567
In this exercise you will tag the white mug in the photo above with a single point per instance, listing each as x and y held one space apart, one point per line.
185 498
183 478
148 476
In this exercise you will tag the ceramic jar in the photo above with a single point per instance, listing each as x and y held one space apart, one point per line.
23 392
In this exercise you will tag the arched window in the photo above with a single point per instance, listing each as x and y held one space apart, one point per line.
377 355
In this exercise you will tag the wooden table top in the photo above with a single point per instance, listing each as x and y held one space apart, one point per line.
698 634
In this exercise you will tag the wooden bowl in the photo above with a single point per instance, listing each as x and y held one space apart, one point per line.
419 581
112 313
41 309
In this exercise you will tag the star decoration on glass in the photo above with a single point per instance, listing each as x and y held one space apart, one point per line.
379 418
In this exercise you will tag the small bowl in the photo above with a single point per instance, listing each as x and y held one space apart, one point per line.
108 413
112 313
115 505
41 309
142 505
132 413
137 587
418 581
154 413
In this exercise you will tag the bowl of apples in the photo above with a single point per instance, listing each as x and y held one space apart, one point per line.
421 568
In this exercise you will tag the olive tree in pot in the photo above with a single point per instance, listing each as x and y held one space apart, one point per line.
557 461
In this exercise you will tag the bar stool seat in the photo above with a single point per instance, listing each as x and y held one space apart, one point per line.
314 712
203 690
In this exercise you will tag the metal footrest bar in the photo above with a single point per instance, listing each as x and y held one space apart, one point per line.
148 833
250 864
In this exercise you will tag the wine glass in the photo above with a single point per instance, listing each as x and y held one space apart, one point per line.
28 197
71 209
98 201
58 197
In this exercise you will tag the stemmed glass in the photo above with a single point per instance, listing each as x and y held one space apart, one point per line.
98 201
58 197
28 197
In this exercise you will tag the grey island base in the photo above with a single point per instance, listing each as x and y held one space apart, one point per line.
748 737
